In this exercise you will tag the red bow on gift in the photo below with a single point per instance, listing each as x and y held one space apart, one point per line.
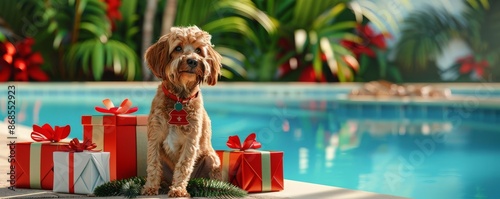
46 133
250 142
76 146
124 107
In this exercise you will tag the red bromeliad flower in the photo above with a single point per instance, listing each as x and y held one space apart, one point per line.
308 75
113 11
469 64
370 39
19 63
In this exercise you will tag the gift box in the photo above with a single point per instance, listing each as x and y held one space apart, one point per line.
124 137
252 170
80 172
33 165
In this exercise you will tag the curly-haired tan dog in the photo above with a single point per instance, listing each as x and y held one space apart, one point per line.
183 59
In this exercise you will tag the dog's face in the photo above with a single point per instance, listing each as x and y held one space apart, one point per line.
185 56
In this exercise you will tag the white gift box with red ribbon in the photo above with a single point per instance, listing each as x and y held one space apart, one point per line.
80 172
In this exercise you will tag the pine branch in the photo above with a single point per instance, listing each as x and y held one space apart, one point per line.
115 188
197 187
202 187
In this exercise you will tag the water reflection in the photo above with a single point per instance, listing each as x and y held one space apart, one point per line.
398 156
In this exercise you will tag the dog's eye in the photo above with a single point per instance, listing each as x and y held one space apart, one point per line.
198 50
178 49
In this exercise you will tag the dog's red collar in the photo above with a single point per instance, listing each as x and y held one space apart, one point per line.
177 99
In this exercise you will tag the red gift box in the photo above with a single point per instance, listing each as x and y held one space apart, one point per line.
34 165
124 137
252 170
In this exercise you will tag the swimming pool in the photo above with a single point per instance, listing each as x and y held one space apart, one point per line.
411 148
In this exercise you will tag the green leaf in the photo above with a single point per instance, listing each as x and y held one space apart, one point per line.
248 9
232 24
108 55
93 29
58 39
317 64
340 70
382 63
363 65
98 61
328 16
337 27
394 72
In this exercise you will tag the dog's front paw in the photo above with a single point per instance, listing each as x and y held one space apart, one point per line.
149 191
176 192
216 174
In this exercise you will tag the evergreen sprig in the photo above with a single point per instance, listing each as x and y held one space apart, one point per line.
197 187
202 187
115 188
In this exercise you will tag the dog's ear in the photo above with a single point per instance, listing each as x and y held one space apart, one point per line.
157 56
215 66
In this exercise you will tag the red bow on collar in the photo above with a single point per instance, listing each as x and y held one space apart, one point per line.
76 146
124 107
249 143
46 133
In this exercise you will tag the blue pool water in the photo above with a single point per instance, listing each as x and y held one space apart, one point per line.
417 150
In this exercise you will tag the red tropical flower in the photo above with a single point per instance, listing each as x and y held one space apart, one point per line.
19 63
113 11
369 40
308 75
469 64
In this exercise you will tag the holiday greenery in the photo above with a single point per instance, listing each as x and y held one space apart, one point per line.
197 187
115 188
202 187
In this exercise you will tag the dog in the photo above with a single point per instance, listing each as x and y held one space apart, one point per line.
179 129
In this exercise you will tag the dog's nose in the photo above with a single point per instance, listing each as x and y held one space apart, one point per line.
192 63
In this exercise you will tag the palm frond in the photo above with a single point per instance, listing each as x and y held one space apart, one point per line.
424 34
94 57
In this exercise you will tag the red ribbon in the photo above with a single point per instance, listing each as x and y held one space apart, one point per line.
124 107
76 146
71 173
46 133
250 143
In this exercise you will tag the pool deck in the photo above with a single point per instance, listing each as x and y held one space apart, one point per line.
293 189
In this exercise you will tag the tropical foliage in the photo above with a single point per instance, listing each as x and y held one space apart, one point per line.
75 38
260 40
428 32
